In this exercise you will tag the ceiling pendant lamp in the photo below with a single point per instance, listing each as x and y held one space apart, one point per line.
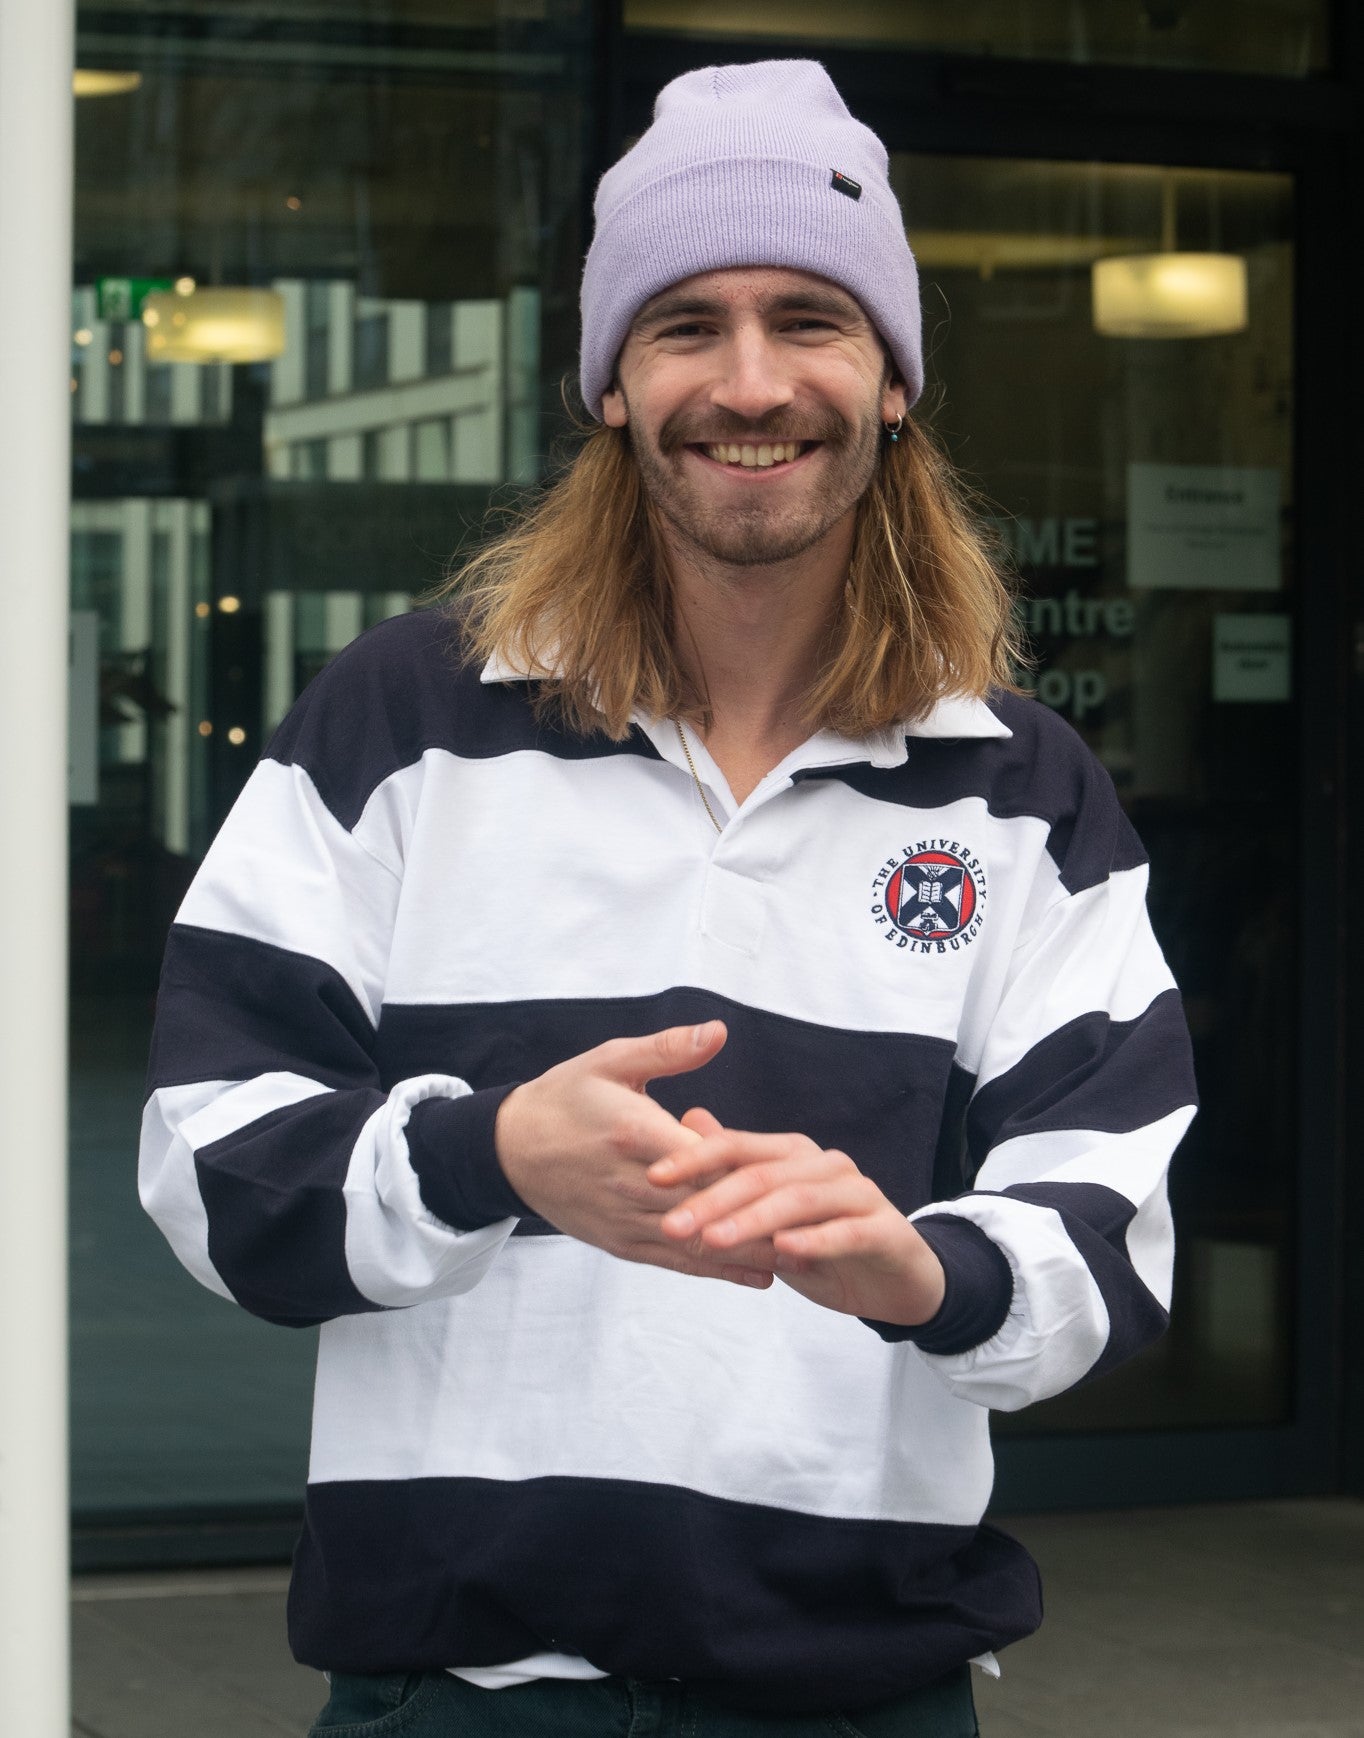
89 81
1169 294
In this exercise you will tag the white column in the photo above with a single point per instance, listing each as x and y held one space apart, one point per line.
279 656
345 458
406 340
135 609
395 453
286 371
95 374
343 618
36 44
478 454
186 404
134 371
173 517
340 337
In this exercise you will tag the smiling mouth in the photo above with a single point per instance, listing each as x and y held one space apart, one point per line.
755 456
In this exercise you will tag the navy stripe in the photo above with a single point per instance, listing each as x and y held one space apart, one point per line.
1092 1073
1096 1221
230 1008
758 1606
874 1095
980 1288
401 688
452 1148
953 1169
1045 769
276 1214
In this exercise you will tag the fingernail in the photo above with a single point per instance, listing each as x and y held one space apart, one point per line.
679 1221
702 1035
662 1167
760 1280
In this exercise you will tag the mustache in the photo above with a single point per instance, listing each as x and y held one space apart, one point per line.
687 429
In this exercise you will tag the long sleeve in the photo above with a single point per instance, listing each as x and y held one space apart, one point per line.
1082 1087
284 1172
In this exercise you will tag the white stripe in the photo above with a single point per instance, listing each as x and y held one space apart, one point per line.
1057 1325
284 871
545 847
177 1121
1133 1164
397 1251
567 1362
1095 953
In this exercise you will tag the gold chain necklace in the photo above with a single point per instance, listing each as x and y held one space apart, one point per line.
700 788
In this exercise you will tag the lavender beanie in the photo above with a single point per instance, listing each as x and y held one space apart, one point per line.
748 165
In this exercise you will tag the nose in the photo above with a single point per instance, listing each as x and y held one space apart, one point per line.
753 380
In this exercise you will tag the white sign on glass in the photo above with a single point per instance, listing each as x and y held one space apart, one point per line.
1251 657
1203 527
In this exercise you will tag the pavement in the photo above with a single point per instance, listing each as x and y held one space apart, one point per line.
1242 1620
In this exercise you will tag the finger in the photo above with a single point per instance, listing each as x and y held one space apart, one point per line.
795 1207
702 1123
736 1189
834 1240
725 1151
675 1050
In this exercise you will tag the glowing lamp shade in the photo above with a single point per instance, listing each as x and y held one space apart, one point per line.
1170 295
214 325
89 81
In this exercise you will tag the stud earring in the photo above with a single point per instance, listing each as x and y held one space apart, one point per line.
893 428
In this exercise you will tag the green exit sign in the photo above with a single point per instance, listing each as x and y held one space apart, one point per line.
122 298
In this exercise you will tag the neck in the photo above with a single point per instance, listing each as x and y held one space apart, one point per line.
752 638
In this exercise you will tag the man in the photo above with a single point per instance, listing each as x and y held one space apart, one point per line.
667 1410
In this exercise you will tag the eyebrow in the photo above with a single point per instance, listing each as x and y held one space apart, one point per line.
680 307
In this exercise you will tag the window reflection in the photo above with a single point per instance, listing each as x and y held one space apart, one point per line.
406 177
1144 489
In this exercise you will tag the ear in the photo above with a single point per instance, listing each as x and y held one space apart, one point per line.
894 399
615 412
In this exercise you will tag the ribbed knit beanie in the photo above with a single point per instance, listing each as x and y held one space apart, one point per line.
758 165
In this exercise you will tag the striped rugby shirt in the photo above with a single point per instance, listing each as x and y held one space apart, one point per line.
931 950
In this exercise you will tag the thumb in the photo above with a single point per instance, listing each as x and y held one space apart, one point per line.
701 1122
675 1050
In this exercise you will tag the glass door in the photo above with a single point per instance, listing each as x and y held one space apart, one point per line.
1111 362
326 285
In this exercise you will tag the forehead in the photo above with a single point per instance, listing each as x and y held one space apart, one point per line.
751 289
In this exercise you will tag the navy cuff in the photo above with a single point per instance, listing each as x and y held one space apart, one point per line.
450 1143
980 1288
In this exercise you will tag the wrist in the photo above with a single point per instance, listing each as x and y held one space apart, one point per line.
508 1143
921 1284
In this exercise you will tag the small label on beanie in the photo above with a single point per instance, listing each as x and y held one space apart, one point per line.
842 183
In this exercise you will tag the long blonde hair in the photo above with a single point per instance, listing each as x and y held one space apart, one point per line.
580 581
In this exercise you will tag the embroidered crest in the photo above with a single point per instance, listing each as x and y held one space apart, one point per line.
930 898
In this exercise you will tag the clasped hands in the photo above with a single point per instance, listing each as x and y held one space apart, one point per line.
586 1148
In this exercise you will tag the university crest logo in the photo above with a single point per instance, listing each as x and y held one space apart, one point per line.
930 898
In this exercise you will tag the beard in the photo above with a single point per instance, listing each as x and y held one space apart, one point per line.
760 532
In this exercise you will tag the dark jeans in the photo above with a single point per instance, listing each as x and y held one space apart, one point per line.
437 1705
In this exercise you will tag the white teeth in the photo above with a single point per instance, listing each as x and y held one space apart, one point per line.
754 457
